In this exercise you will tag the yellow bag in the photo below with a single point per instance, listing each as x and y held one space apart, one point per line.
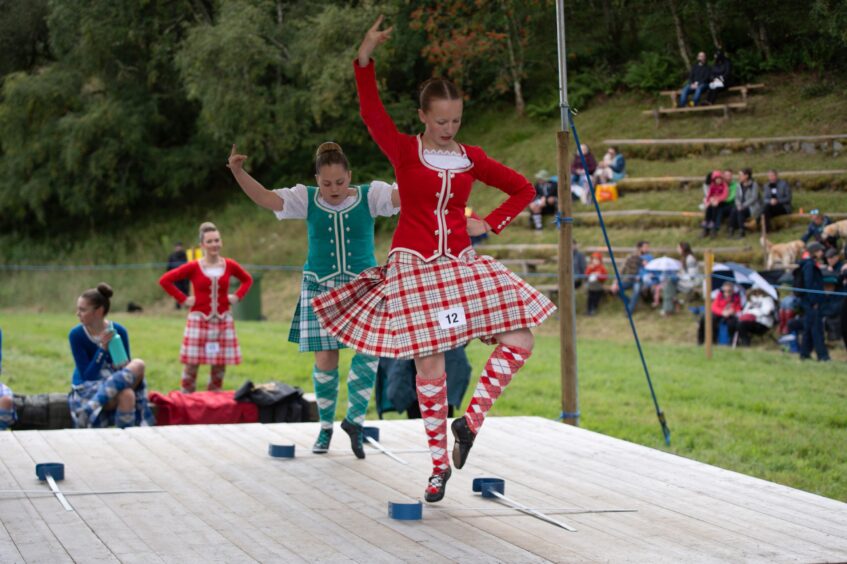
606 192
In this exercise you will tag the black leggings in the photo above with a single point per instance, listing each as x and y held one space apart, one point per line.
844 321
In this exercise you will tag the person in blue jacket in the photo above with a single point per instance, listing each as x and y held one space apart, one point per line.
812 303
108 385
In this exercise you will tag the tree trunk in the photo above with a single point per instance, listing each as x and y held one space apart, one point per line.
515 61
763 38
714 25
684 52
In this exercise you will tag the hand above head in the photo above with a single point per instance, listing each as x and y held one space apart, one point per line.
235 161
373 38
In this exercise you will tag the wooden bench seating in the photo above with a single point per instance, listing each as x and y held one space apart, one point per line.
724 108
742 89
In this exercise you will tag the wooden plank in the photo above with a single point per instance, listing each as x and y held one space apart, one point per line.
77 540
725 140
368 485
30 537
738 88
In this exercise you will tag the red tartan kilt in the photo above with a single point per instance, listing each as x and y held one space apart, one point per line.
199 332
393 310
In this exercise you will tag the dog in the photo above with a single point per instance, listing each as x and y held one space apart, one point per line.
784 254
835 231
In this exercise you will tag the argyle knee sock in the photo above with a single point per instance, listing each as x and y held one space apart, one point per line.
326 392
124 419
7 417
498 372
189 378
216 377
360 385
432 398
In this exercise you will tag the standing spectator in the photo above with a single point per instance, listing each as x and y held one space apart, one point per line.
698 81
747 204
718 192
815 230
631 276
719 80
597 275
833 303
777 196
726 207
546 198
689 278
757 317
579 175
812 303
612 168
725 309
176 259
579 264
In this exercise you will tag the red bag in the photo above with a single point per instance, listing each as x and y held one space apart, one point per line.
748 317
201 408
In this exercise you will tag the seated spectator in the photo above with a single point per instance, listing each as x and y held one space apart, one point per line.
612 168
108 385
725 209
698 81
596 274
579 175
719 78
815 230
718 192
7 407
757 316
579 264
631 276
747 204
777 198
546 198
725 309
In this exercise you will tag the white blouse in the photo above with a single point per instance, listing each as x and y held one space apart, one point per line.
297 201
446 160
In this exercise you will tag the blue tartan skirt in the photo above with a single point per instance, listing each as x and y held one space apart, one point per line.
86 401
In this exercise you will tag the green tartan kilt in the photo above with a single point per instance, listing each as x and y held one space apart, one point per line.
306 331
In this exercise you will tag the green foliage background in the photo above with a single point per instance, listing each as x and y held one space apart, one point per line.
113 109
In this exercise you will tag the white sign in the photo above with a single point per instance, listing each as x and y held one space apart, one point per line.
450 318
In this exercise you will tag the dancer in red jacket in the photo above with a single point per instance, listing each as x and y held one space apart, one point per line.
210 331
435 293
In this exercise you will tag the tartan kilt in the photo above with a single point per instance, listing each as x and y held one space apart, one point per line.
199 331
393 310
306 331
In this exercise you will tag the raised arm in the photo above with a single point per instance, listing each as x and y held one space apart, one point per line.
379 123
254 190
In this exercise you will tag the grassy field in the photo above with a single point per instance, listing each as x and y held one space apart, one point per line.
756 411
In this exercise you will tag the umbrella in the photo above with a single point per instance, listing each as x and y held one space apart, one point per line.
744 276
663 264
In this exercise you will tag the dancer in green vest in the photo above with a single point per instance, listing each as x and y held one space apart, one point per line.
340 221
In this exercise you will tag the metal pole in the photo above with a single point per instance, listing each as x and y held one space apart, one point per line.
567 306
709 263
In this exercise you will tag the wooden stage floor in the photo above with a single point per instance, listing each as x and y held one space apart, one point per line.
226 500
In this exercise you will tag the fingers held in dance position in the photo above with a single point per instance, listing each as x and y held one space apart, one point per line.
373 38
235 160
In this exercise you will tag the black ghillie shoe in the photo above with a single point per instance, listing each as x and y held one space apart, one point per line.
321 445
437 485
357 437
464 439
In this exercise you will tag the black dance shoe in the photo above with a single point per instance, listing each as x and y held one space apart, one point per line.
463 442
357 437
437 485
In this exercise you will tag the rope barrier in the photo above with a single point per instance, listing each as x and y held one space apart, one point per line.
787 288
659 413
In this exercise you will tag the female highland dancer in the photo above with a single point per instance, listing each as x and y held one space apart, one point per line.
435 293
108 385
209 336
340 221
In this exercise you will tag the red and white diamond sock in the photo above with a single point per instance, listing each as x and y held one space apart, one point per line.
498 372
432 398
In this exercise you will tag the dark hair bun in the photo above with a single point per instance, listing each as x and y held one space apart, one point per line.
105 290
328 147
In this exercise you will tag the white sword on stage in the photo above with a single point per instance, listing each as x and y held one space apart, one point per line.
529 511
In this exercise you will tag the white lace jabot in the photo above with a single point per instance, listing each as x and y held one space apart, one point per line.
447 160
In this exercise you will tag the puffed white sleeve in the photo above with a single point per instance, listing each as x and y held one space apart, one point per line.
295 202
379 199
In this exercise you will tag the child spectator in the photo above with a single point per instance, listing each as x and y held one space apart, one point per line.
612 168
725 309
725 209
718 192
546 198
597 275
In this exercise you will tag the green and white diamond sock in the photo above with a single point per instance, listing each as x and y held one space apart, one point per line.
360 385
326 391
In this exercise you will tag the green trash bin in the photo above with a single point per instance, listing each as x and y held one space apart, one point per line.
250 308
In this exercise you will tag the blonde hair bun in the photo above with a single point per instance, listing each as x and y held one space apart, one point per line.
206 227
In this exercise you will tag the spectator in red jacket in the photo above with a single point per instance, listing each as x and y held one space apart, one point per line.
596 274
714 203
725 309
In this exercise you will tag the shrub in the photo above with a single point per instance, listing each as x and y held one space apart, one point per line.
652 72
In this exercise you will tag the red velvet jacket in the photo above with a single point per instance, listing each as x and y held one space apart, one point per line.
432 211
207 293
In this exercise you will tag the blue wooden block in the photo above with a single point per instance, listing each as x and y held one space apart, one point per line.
55 469
405 511
281 451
